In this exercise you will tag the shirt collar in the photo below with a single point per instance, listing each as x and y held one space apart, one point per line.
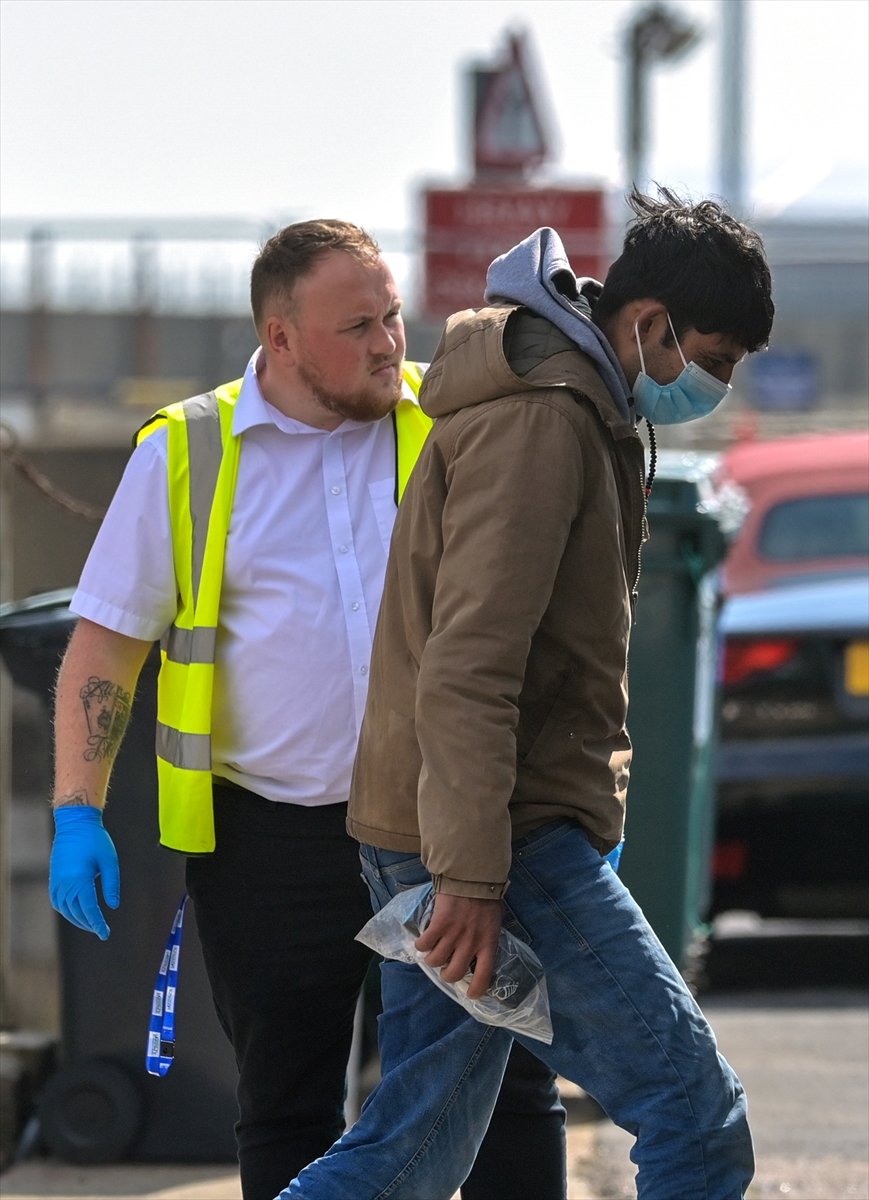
251 408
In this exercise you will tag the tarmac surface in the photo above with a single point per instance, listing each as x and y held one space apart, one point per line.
795 1026
47 1179
41 1179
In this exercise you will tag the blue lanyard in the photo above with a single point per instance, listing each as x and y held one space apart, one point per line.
161 1028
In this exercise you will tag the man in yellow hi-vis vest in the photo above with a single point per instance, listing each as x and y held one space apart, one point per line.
249 534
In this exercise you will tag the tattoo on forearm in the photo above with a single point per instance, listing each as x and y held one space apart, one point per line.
107 708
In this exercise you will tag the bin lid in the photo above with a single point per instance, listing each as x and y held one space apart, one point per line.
33 634
35 623
37 608
685 486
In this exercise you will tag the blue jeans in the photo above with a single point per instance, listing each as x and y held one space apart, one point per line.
626 1029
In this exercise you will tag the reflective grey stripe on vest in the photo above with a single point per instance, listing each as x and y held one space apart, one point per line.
190 645
190 751
204 454
205 451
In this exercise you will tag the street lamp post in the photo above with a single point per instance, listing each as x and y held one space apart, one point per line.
656 34
733 72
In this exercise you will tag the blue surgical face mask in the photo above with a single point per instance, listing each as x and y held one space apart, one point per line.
693 393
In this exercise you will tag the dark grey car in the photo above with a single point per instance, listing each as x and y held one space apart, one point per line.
793 763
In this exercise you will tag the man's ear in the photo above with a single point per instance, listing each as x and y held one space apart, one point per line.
278 338
650 317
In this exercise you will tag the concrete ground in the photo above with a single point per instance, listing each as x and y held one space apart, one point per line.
43 1180
801 1051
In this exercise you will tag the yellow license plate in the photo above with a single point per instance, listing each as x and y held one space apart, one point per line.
857 668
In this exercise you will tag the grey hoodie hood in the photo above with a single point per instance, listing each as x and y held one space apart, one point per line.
538 275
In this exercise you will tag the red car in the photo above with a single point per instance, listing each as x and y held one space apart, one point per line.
809 508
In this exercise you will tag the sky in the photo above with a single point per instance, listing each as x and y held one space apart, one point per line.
279 110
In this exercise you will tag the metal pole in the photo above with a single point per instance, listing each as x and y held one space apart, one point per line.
39 303
144 302
636 137
732 174
657 34
7 1013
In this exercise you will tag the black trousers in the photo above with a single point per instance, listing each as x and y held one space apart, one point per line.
277 907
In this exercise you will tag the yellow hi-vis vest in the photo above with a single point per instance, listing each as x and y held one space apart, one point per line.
202 464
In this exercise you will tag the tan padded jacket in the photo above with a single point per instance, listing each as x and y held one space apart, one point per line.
498 690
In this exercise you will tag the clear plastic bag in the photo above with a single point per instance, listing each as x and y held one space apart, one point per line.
516 999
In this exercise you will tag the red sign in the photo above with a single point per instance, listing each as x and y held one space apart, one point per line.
466 228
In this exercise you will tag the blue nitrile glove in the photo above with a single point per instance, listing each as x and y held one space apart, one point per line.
83 850
615 856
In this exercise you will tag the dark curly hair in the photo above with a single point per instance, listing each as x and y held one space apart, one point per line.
707 267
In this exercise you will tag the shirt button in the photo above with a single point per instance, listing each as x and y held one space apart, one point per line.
342 549
363 670
355 606
336 491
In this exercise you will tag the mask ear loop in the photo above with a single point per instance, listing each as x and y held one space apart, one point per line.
676 340
640 347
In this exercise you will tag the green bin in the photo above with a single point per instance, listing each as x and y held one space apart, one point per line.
100 1105
673 664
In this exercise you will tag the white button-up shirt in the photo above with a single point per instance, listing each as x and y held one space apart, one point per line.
305 559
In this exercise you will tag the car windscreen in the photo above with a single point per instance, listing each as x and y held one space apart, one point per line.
816 527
